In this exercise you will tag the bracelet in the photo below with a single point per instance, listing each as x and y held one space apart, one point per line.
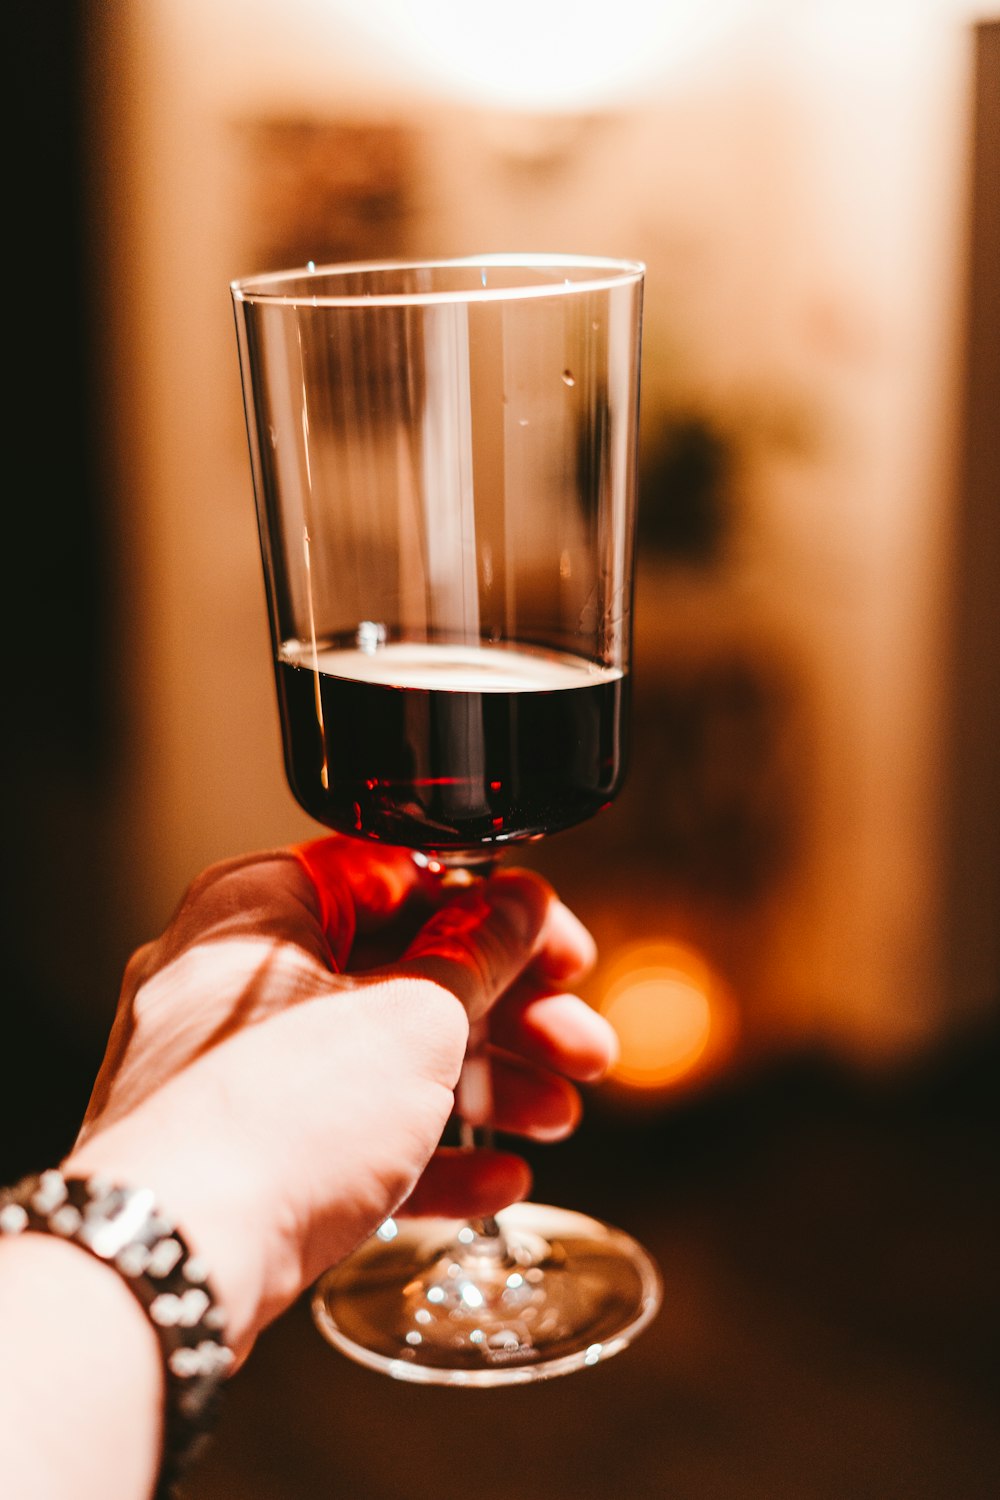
122 1227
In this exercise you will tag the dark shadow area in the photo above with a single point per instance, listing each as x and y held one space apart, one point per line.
48 1078
61 742
829 1328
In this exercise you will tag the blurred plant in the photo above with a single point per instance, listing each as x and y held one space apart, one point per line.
694 469
684 491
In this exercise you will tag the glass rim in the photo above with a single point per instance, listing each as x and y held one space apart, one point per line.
271 286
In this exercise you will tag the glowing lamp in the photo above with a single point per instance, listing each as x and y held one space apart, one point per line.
555 56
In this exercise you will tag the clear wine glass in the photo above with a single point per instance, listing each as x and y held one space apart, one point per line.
444 465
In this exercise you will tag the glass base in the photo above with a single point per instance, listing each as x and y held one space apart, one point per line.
434 1301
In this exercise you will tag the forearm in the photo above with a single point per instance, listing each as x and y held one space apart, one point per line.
81 1384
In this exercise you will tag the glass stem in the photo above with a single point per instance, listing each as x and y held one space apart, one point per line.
474 1094
474 1102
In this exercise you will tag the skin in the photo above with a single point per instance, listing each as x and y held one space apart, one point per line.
281 1067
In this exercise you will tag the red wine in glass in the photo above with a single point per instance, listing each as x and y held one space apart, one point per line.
451 749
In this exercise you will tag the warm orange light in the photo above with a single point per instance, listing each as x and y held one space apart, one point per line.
663 1002
541 58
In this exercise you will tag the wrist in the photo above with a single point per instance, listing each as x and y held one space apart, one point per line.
81 1381
126 1232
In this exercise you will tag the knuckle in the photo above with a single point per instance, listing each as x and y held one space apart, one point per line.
428 1022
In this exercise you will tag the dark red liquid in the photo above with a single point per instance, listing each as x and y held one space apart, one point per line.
445 770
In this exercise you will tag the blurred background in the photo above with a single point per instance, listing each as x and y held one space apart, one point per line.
797 896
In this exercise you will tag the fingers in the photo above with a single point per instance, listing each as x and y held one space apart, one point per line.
483 939
315 895
257 896
526 1101
566 950
469 1184
357 887
555 1031
380 878
531 1102
476 943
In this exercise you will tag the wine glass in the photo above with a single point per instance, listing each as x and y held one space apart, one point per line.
443 457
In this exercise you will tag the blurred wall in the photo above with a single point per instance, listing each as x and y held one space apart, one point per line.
799 192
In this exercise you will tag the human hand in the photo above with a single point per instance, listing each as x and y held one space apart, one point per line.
282 1101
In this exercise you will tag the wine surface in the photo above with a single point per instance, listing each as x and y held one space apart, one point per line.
450 748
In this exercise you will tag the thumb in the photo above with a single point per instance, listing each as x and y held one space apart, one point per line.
478 944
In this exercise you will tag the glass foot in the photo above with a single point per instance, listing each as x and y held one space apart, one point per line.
432 1300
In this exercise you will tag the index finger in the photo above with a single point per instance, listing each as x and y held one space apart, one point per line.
359 887
478 944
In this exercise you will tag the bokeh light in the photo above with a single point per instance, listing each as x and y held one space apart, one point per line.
671 1013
